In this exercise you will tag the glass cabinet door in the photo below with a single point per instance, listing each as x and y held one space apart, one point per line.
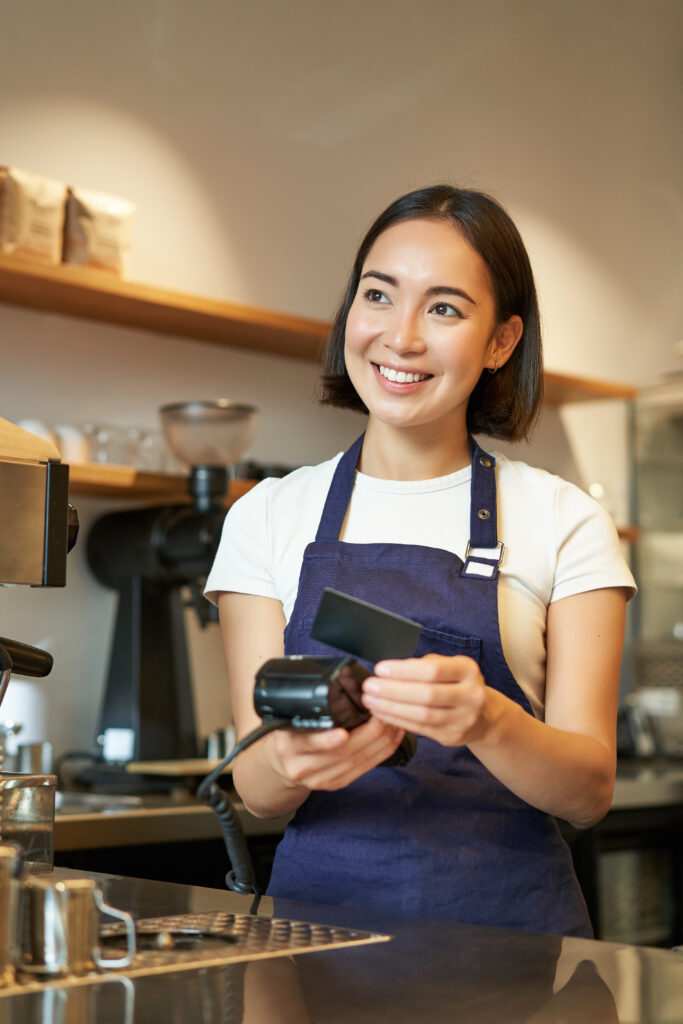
658 501
658 559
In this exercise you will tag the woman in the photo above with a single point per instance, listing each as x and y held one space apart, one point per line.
515 575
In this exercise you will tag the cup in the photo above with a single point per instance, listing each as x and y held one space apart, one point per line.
145 449
105 443
10 870
34 758
39 429
8 730
220 743
27 816
73 445
58 929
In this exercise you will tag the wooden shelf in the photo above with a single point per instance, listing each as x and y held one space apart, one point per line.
96 295
99 480
561 389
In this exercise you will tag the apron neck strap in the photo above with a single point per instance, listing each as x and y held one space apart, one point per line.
483 505
483 510
339 494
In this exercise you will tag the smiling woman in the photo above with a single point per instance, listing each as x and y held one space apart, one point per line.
416 348
508 405
502 565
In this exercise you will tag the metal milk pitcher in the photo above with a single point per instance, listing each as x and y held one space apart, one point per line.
58 928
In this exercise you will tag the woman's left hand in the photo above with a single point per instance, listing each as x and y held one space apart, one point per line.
444 698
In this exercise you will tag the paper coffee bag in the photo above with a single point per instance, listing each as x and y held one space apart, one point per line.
31 215
97 230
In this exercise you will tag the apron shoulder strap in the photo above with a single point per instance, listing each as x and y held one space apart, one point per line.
339 495
483 505
483 516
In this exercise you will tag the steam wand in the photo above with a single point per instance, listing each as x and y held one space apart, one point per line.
27 661
5 671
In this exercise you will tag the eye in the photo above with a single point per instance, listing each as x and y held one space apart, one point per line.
374 295
446 309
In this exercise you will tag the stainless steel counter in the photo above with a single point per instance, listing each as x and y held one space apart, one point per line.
436 971
87 821
642 784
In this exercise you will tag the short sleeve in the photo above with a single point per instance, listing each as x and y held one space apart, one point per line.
589 554
242 563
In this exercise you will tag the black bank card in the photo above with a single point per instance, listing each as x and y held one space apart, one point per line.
363 629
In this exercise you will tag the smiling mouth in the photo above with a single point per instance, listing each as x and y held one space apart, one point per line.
401 376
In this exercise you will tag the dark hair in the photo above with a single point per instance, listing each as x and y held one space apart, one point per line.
504 404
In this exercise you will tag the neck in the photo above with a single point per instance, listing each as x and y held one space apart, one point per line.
417 453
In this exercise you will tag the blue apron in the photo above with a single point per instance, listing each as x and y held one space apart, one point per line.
440 837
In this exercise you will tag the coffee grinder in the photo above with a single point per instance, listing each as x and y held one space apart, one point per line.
154 557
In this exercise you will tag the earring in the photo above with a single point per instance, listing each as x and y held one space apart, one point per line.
494 368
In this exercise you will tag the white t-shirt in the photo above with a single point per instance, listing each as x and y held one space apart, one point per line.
558 542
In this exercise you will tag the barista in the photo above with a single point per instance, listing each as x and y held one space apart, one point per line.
515 575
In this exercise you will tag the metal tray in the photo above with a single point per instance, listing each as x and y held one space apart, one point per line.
251 938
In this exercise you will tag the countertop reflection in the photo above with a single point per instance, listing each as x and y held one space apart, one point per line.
436 971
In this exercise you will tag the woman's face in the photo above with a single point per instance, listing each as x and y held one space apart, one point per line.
422 326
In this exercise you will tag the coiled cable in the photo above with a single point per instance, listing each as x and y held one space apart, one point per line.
241 878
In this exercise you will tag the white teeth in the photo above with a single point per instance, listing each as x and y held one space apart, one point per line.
400 376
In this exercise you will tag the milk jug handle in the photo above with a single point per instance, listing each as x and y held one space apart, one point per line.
122 915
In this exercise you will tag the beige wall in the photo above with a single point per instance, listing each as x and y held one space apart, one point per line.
258 141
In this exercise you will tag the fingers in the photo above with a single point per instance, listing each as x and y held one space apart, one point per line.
322 759
358 762
433 668
433 681
436 696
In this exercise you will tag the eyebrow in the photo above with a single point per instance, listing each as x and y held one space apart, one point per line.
438 289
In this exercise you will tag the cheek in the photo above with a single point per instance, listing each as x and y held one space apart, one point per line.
357 323
358 334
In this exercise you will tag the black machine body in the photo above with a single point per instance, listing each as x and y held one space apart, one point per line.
318 693
311 692
152 557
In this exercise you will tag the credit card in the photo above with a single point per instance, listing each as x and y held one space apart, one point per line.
362 629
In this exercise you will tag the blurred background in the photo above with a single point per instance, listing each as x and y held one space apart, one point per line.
257 143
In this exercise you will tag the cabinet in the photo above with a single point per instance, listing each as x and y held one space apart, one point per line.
658 556
658 508
630 868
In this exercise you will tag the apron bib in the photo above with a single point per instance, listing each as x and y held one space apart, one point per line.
440 837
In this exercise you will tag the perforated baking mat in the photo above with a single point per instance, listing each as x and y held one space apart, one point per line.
226 939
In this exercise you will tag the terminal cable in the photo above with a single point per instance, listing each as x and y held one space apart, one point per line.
241 878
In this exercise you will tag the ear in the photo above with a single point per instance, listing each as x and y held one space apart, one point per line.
504 342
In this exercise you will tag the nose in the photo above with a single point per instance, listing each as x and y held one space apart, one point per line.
404 334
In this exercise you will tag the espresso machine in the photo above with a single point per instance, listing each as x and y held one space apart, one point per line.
39 528
154 558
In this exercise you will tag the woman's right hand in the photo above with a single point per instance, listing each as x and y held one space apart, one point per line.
276 775
330 759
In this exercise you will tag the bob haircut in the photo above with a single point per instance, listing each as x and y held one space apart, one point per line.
505 404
